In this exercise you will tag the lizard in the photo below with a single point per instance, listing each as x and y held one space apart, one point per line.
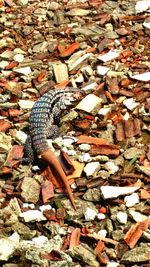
44 116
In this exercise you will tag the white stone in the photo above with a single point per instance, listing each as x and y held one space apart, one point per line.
104 111
26 104
84 147
90 103
8 246
3 64
112 264
131 200
102 232
122 217
146 24
79 79
130 104
90 214
101 216
112 54
85 158
33 215
19 58
142 6
45 207
101 70
28 205
145 77
137 216
21 136
23 70
40 240
115 191
73 65
111 167
92 168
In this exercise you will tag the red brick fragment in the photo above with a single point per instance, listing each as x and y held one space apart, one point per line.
75 238
47 191
91 140
4 125
107 149
14 155
69 50
135 232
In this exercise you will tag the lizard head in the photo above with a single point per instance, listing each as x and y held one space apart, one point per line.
70 97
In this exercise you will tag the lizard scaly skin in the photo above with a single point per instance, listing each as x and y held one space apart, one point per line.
44 114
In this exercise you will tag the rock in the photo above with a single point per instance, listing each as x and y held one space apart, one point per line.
130 104
8 246
85 254
111 167
91 104
92 195
137 216
131 200
5 143
134 152
84 147
91 168
32 215
137 255
30 190
60 72
90 214
122 217
115 191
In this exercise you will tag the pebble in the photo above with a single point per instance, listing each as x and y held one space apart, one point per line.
90 214
24 70
32 215
115 191
85 158
137 216
84 147
111 167
19 58
130 104
122 217
102 232
131 200
101 216
112 264
92 168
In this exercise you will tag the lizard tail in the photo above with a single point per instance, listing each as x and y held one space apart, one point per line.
50 157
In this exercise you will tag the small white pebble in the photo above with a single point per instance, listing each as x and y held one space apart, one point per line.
122 217
130 104
102 232
85 158
112 264
111 167
131 200
90 214
92 168
84 147
101 216
19 58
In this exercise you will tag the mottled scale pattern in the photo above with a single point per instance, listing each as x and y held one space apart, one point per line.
46 112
